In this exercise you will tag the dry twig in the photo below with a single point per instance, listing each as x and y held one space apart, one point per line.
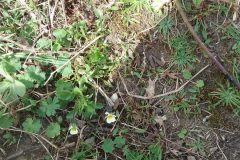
213 56
217 139
164 94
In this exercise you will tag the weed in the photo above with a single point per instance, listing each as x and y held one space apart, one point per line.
154 153
189 104
201 27
84 152
236 69
227 96
165 26
235 34
183 56
221 8
198 145
182 133
9 139
136 5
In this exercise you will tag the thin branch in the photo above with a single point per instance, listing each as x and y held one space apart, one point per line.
73 57
96 86
213 56
33 134
217 139
30 105
164 94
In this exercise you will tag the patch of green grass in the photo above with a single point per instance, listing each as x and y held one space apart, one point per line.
154 152
183 56
165 26
198 146
226 96
189 99
136 5
234 33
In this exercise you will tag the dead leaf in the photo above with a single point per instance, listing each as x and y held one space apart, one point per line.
170 75
160 120
150 90
115 100
80 123
175 152
163 61
213 150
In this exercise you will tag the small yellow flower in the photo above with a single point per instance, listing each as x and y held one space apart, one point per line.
73 129
110 118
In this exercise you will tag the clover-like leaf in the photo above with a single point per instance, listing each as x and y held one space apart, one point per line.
5 121
186 74
32 125
108 145
59 33
48 107
200 83
44 43
119 142
53 130
64 90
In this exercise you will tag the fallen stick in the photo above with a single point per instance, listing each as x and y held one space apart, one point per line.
213 56
164 94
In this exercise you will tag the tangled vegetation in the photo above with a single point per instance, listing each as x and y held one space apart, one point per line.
117 80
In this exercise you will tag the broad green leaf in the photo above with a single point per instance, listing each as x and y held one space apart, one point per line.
44 43
200 83
95 55
66 71
48 107
99 13
11 65
19 88
59 33
186 74
35 74
53 130
57 46
5 74
32 125
119 142
108 145
64 90
5 121
10 90
182 133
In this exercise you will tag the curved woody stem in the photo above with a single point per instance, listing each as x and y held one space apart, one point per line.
213 56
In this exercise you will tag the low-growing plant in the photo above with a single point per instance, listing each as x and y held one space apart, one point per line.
9 139
84 152
136 5
183 56
154 152
234 33
226 96
165 26
198 146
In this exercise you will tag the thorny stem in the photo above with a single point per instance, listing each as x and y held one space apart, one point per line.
213 56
